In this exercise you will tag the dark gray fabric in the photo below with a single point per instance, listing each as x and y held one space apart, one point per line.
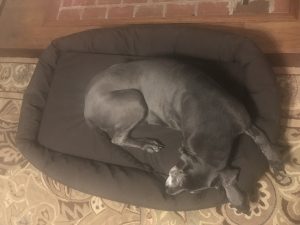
53 136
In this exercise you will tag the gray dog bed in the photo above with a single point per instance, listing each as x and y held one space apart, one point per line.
54 137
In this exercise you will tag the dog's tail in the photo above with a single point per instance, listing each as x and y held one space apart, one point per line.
270 151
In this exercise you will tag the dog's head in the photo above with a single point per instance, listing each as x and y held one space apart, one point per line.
190 174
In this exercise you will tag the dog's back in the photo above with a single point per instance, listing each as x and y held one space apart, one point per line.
165 85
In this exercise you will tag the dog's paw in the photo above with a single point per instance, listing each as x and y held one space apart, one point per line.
276 165
278 171
279 174
151 145
245 209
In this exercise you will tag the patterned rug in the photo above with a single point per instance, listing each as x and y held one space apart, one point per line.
29 197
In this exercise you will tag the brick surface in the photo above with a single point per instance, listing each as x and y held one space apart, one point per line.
120 12
69 14
134 1
67 3
94 13
178 1
149 11
53 10
255 7
108 2
137 9
83 2
212 8
180 10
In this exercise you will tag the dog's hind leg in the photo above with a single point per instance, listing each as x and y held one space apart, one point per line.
270 152
118 112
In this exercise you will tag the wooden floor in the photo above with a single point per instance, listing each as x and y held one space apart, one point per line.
24 30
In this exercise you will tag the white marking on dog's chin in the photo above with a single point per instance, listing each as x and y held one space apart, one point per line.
170 179
173 170
169 182
174 181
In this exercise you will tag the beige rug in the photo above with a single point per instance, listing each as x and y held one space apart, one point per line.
28 197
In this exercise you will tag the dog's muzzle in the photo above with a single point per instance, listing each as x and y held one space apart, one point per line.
174 181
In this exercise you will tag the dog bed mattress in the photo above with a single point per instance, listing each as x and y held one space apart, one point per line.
54 137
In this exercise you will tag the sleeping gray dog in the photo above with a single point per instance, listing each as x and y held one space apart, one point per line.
170 93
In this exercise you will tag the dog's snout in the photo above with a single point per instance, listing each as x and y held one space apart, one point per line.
174 171
173 174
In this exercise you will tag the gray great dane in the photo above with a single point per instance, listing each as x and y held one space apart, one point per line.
170 93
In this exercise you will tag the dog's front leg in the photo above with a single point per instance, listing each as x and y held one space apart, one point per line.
236 197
